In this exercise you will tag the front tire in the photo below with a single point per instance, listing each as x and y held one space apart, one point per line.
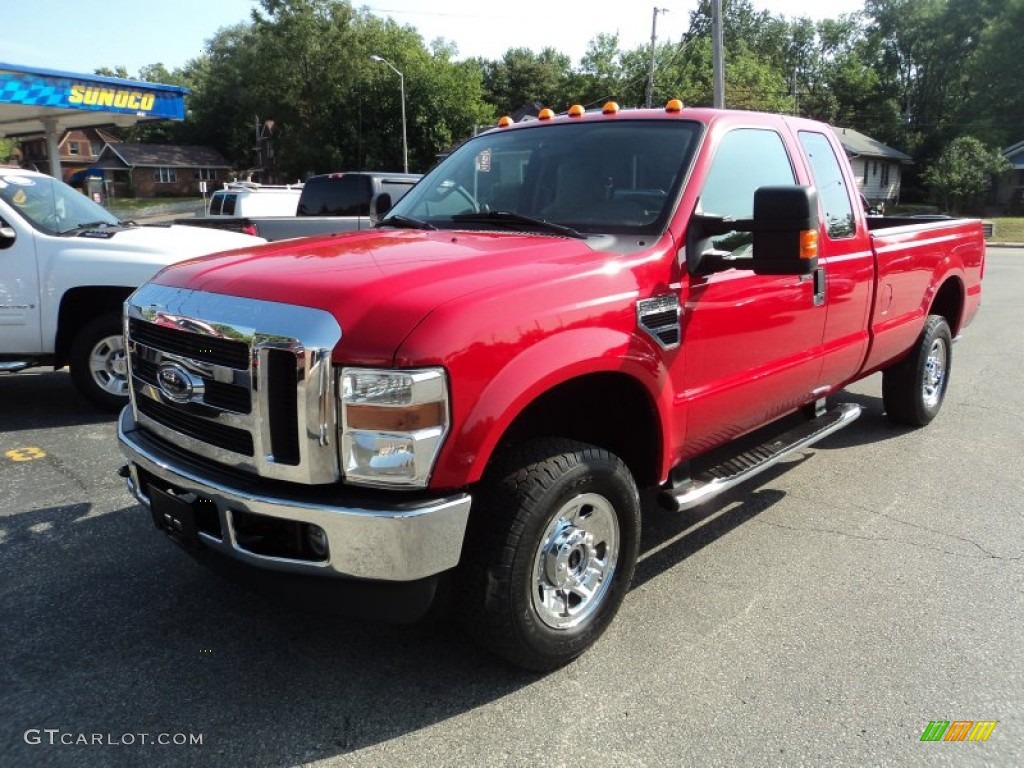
913 389
550 553
99 366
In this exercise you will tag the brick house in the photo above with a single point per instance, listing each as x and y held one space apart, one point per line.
877 167
159 170
78 148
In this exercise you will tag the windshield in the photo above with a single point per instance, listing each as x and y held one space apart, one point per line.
615 177
50 205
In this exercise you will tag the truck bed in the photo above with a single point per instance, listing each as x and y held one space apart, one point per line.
911 255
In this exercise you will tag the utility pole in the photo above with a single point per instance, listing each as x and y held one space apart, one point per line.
796 94
717 63
654 38
401 89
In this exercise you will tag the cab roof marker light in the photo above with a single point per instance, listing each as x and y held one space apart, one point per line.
505 122
610 108
576 110
674 105
545 114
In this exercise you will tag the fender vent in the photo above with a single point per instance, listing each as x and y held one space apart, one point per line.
659 317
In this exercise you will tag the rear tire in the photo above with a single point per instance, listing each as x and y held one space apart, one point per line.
551 550
99 365
913 389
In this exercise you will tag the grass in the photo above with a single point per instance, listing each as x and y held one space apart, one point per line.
1008 229
143 204
155 208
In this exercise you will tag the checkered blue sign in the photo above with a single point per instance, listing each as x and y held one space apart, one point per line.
67 93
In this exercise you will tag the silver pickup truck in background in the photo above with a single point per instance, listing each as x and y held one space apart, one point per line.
329 202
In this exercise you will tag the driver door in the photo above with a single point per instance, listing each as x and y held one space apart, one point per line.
752 348
20 332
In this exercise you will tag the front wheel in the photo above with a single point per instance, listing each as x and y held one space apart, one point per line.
550 553
913 389
98 363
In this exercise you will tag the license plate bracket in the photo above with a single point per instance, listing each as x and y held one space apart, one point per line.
175 516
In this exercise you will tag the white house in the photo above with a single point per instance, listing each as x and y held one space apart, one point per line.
876 166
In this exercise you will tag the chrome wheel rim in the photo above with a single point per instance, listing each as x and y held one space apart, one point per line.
109 366
934 374
575 562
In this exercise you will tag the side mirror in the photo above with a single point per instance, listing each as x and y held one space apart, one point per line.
380 204
7 237
785 230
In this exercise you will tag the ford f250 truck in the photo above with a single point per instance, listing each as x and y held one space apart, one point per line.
328 203
559 314
66 267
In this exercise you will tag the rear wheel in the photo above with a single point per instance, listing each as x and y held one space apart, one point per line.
98 363
550 553
913 389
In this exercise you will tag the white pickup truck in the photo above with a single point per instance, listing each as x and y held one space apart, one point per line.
66 267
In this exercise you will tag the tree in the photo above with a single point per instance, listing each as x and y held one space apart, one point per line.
600 76
523 77
118 71
306 65
994 109
963 173
754 51
7 150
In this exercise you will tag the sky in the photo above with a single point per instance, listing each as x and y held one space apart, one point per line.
135 33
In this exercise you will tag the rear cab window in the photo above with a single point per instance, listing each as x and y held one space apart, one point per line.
343 195
832 190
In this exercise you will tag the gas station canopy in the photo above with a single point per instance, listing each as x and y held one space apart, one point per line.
34 101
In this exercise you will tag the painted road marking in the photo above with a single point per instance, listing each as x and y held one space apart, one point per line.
29 453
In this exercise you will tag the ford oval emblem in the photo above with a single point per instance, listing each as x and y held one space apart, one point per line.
175 383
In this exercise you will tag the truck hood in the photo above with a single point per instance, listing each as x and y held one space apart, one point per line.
173 241
380 284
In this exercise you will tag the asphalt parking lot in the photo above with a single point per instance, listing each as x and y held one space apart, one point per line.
823 614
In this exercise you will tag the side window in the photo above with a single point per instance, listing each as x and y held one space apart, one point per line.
396 189
832 191
346 195
746 159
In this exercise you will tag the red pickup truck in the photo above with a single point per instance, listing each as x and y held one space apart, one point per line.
559 314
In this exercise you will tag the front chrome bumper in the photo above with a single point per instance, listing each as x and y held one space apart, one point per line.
375 536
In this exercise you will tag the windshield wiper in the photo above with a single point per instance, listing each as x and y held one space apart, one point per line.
89 225
510 218
92 225
405 222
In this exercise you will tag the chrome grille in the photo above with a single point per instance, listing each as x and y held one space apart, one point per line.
238 381
198 346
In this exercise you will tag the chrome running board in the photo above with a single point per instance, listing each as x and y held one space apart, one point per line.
13 366
718 479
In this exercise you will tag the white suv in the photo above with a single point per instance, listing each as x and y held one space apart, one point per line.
242 200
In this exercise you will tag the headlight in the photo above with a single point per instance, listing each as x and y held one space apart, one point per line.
392 425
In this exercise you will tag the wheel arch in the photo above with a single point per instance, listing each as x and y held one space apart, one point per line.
949 303
78 307
610 410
